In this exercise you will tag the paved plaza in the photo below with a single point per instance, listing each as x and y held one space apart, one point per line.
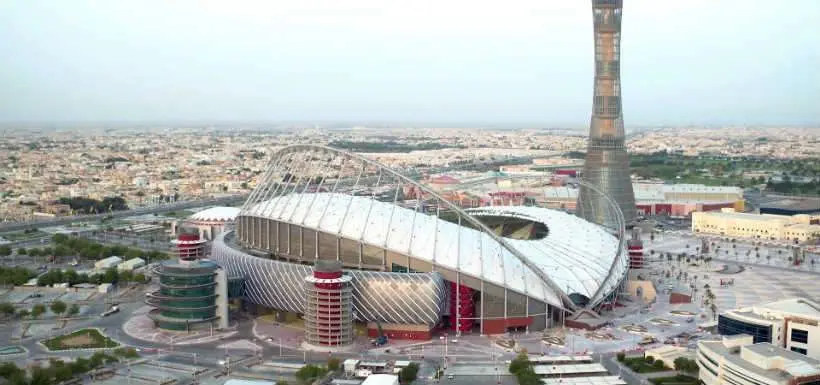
141 327
761 279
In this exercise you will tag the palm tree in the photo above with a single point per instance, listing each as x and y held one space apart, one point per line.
714 309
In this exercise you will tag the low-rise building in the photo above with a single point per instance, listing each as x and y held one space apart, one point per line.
674 200
793 324
131 264
107 263
105 288
381 379
737 360
727 222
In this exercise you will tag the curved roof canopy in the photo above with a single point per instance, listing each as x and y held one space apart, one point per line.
216 214
576 254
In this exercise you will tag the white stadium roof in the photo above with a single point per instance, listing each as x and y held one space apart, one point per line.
216 214
576 255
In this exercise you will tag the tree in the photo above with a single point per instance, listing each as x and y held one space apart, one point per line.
73 310
96 360
40 376
21 251
38 310
59 238
519 363
528 377
9 369
7 309
309 372
71 277
126 353
58 307
621 356
658 364
333 364
5 251
139 278
111 275
80 365
649 359
408 374
22 313
125 276
683 364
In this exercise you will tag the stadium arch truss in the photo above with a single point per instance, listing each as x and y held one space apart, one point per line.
413 254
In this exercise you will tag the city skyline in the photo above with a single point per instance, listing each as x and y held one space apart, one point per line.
319 61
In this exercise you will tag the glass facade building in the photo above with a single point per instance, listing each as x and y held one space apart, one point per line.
728 326
188 296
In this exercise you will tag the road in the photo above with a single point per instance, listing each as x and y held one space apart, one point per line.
17 226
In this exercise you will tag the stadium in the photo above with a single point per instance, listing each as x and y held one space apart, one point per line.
416 260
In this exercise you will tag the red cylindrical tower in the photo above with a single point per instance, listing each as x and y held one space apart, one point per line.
329 306
635 247
188 245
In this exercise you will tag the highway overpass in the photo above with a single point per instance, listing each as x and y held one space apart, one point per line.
57 221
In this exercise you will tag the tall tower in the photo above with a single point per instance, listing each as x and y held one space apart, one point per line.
607 163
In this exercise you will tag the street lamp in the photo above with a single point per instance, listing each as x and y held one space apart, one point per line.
444 358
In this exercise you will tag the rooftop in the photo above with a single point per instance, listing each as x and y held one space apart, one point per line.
798 306
576 255
216 214
794 203
596 380
749 216
763 359
381 379
248 382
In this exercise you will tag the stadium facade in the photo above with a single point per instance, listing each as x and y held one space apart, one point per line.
414 258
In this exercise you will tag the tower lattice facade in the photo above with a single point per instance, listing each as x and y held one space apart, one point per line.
607 163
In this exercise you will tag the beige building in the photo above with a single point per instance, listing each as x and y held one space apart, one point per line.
729 223
736 360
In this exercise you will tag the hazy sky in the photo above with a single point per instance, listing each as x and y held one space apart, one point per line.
684 62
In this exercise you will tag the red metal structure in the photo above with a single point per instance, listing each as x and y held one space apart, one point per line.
461 303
